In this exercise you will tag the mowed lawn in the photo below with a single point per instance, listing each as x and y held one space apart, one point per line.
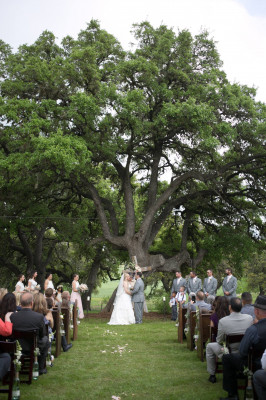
131 362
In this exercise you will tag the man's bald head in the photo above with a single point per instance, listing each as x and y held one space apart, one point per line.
26 300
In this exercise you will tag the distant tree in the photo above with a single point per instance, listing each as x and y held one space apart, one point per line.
255 270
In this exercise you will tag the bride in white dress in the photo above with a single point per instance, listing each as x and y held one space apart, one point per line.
123 313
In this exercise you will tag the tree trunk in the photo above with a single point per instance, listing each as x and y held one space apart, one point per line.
109 305
92 277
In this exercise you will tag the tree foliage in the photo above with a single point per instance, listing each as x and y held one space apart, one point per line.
135 139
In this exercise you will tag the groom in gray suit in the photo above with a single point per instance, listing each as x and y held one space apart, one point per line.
138 297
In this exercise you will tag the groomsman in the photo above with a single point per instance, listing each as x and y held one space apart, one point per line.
178 282
210 286
194 283
229 284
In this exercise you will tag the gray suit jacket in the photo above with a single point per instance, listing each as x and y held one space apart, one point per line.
230 286
210 287
176 286
138 292
194 287
233 324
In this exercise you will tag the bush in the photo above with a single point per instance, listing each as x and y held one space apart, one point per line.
160 305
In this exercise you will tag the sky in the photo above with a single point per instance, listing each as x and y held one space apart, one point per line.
238 26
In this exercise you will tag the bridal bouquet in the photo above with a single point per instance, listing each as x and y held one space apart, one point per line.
83 288
38 287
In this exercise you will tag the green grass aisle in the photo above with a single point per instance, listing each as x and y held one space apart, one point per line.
136 362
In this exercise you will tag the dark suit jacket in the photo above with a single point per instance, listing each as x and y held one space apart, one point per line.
28 320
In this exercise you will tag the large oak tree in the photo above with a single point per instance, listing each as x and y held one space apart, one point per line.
140 135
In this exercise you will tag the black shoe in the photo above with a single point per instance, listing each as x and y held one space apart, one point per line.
212 379
229 398
68 347
43 371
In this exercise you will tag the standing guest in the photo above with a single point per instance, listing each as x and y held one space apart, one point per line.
5 359
247 307
229 284
48 283
20 285
173 305
28 320
254 337
259 379
178 282
221 310
8 304
194 283
32 281
234 324
75 295
210 286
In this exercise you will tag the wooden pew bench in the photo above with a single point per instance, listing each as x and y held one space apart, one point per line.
190 324
204 333
181 322
56 331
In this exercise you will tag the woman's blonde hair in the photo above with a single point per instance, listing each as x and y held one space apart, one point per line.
39 304
3 291
17 295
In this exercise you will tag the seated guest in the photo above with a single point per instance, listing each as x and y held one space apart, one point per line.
8 304
40 306
17 296
201 303
259 379
5 363
20 285
49 292
234 324
247 308
28 320
221 310
191 302
66 299
6 325
3 291
65 304
254 337
49 302
5 359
